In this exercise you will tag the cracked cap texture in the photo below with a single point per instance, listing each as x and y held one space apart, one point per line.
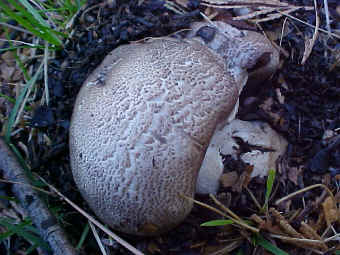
140 128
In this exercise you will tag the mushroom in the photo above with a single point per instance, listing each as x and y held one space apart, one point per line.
143 120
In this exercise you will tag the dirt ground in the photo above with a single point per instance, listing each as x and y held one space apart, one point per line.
301 102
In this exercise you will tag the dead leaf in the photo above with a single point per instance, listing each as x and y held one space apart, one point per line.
244 179
6 72
310 233
229 179
330 210
265 9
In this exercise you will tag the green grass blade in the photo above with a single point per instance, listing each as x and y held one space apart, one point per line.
34 181
20 230
269 246
28 21
21 47
16 17
34 13
20 159
32 248
9 198
239 252
269 188
214 223
18 103
5 235
36 19
12 100
9 232
18 60
83 237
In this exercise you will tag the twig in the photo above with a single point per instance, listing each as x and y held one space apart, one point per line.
332 238
254 199
304 190
235 221
95 222
96 236
307 24
45 222
19 42
224 208
15 28
46 54
310 42
328 23
33 187
300 240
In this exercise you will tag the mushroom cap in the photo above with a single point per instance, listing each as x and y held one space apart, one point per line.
242 50
140 128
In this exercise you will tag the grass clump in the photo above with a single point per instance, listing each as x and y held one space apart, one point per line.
45 20
32 31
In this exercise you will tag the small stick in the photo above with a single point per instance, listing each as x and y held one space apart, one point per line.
45 222
95 222
304 190
237 222
224 208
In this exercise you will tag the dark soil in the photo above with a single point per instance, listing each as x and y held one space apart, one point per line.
311 106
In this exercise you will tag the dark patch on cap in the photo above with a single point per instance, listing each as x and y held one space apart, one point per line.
206 33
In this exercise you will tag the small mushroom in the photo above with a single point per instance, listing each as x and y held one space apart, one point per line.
143 120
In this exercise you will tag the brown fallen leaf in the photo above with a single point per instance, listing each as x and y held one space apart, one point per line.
330 210
244 179
229 179
6 72
310 233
